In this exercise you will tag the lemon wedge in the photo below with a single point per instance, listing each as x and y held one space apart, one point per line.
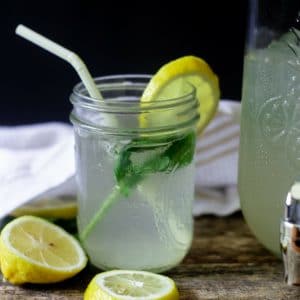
131 285
33 250
60 207
167 83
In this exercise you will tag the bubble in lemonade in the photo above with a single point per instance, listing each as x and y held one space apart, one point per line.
270 135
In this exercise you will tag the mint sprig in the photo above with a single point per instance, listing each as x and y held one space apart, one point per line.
128 173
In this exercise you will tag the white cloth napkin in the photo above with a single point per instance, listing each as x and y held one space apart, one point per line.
37 161
216 163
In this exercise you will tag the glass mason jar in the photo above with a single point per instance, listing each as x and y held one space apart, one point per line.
135 174
269 160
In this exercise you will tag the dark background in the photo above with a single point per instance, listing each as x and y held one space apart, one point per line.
110 38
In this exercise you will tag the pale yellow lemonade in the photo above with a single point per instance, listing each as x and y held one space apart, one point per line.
151 229
269 159
142 179
135 164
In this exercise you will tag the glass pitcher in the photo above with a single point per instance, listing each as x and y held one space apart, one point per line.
269 158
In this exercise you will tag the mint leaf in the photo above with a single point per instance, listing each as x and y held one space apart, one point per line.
175 154
181 152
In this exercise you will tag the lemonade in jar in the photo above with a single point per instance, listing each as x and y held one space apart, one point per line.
135 164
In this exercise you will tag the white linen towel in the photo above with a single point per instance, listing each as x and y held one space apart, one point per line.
216 163
37 161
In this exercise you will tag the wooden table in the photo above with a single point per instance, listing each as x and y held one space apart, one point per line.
225 262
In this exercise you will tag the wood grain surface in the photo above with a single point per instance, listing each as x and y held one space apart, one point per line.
225 262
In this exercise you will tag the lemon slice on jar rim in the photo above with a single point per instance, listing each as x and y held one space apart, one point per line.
167 84
131 285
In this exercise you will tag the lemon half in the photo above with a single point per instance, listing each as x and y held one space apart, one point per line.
36 251
167 84
131 285
64 207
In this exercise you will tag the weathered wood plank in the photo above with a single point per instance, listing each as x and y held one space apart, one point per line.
225 262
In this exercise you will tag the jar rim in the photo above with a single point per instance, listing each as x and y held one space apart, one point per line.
122 94
80 92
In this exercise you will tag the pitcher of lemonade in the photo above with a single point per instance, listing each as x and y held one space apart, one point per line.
269 161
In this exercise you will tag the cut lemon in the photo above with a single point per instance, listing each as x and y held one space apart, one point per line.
131 285
60 207
167 83
36 251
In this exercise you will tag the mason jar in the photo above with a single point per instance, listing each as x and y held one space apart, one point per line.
135 174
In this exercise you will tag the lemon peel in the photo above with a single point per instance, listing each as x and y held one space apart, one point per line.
59 207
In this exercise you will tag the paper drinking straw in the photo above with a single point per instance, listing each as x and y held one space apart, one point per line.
63 53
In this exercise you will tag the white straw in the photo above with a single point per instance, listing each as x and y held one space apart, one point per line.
63 53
